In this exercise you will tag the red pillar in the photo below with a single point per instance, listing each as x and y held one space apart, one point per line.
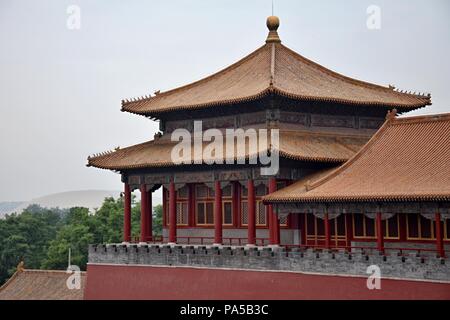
127 213
149 231
144 214
172 213
191 205
274 222
326 223
251 222
439 242
302 227
348 230
217 213
380 239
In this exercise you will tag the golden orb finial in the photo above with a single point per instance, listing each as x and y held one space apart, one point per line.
273 22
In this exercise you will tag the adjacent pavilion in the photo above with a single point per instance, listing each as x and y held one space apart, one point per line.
393 194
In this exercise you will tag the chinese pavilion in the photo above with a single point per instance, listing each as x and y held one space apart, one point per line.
323 119
354 189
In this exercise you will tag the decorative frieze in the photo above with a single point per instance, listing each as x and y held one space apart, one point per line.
332 121
370 123
387 209
293 117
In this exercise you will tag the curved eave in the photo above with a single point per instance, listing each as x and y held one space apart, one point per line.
402 107
345 199
91 162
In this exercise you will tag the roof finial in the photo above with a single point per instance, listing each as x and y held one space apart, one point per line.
21 266
273 22
391 114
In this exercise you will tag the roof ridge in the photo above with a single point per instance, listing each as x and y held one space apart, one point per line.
423 118
226 69
272 65
347 78
47 271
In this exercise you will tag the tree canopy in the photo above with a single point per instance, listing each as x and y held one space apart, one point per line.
42 237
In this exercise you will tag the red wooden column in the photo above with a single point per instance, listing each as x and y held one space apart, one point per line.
274 222
217 213
144 213
380 239
302 227
127 213
251 212
326 223
349 230
191 205
172 213
439 242
149 224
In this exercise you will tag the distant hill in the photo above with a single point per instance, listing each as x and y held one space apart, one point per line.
8 207
91 199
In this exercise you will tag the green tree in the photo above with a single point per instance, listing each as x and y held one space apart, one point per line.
42 237
157 220
77 237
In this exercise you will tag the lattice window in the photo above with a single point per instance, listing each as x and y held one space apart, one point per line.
227 213
420 228
391 227
363 227
261 214
205 213
244 213
182 213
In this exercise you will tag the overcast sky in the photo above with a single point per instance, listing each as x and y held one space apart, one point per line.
61 89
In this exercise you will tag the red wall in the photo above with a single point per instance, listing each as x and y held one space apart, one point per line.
146 282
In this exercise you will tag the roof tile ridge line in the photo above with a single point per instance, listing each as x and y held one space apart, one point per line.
344 77
226 69
10 280
351 102
424 118
272 65
47 271
356 156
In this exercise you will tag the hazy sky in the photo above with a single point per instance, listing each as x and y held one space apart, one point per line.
61 89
